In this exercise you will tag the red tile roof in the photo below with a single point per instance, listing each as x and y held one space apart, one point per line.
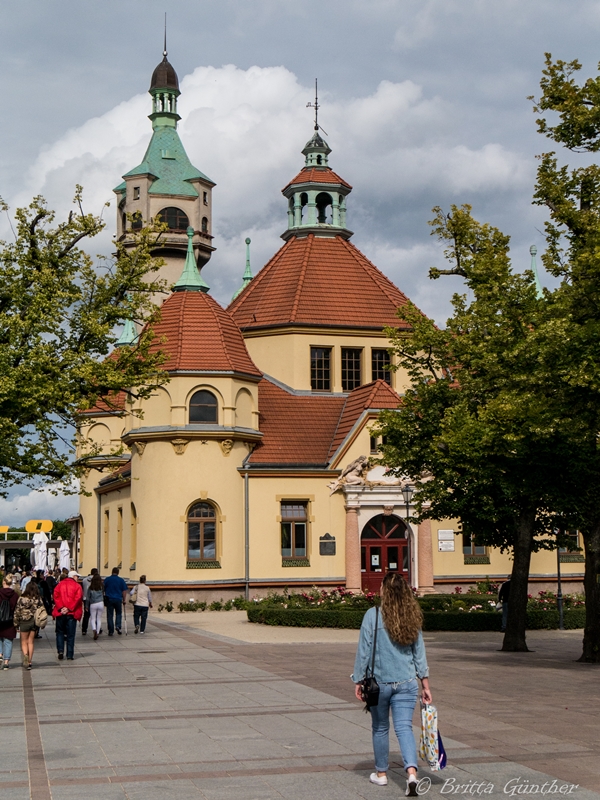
317 175
200 336
317 280
376 395
308 429
297 429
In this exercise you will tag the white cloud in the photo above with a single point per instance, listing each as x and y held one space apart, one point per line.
37 504
245 129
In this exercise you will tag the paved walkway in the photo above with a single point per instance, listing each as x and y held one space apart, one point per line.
183 713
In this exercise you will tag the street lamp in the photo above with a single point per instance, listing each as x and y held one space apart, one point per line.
407 492
559 597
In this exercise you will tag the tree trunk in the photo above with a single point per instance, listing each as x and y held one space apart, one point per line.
591 634
514 638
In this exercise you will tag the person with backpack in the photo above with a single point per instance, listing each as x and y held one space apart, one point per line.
30 616
8 632
392 642
115 592
68 610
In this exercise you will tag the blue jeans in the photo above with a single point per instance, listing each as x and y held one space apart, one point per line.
401 698
504 615
114 610
7 645
140 615
66 625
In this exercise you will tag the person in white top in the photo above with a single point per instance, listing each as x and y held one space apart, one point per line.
141 597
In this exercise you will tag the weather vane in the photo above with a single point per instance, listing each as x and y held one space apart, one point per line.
316 107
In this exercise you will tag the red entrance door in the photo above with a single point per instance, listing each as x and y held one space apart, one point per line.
384 548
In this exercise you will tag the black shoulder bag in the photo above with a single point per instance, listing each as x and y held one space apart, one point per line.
369 686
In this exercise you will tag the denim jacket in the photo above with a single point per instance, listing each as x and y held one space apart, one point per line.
394 663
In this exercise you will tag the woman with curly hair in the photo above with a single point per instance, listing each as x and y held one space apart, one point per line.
399 660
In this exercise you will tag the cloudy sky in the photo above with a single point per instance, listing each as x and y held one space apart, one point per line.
424 103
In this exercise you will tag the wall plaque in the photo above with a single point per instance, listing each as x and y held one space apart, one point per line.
327 545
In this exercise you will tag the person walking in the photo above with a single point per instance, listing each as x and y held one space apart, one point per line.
85 585
141 596
94 604
8 632
24 620
504 599
399 660
68 610
115 591
25 580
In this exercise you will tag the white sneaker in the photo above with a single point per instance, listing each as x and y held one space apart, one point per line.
411 786
374 778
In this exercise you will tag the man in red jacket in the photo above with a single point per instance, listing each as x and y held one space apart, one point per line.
68 610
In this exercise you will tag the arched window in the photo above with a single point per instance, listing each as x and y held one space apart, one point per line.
202 533
384 526
204 224
175 218
323 201
137 223
203 407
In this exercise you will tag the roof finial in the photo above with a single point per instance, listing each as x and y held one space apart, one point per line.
165 47
247 272
538 286
191 280
316 107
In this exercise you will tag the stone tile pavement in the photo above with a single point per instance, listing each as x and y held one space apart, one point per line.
185 713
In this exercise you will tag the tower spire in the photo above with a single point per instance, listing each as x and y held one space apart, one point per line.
165 45
128 335
538 286
191 280
247 272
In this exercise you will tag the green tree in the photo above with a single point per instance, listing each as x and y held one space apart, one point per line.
479 430
572 197
58 313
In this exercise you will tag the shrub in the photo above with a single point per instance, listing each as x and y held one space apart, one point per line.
193 605
432 620
216 605
240 603
228 605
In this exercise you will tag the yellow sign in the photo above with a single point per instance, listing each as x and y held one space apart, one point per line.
39 525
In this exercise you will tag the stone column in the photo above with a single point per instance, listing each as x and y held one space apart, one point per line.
425 565
353 576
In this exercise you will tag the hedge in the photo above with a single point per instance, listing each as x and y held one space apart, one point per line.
432 620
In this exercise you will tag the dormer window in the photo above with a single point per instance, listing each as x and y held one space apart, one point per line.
136 192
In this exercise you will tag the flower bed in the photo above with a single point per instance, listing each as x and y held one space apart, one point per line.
341 608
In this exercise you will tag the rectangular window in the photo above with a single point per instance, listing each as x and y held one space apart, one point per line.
373 445
293 530
205 198
320 369
351 368
380 359
573 546
119 537
136 192
105 536
470 548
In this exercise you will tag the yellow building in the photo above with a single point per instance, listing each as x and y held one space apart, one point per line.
251 468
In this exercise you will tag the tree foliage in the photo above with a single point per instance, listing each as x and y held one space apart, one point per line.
572 196
58 313
482 429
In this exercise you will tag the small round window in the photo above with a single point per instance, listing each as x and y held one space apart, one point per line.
203 407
